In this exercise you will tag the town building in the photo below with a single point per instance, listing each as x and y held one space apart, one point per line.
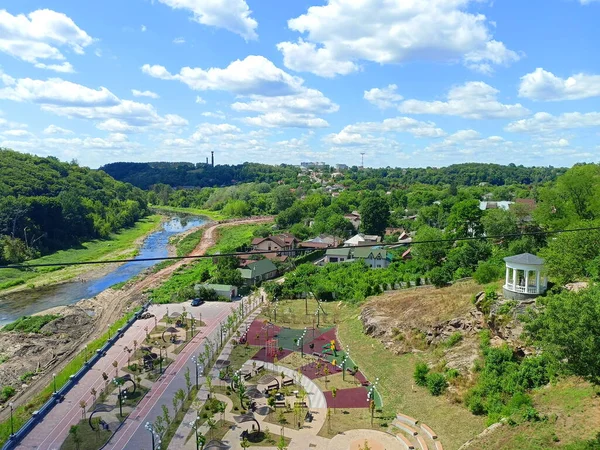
258 271
362 239
223 290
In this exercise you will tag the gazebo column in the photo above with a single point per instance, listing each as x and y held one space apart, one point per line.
537 281
514 278
526 280
506 282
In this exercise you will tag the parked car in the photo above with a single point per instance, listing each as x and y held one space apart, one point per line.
197 302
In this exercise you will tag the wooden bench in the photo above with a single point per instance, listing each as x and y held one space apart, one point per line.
438 445
247 376
406 419
428 431
260 369
272 387
405 441
280 404
301 404
318 355
422 443
287 382
406 428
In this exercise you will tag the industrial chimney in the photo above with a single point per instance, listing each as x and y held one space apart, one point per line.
212 159
207 160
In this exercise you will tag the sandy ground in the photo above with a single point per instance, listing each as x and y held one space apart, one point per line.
51 353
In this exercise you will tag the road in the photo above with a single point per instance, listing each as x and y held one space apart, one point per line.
133 435
54 428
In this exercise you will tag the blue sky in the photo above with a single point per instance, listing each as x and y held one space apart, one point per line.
409 82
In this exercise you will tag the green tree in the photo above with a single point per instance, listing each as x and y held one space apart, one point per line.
568 256
430 253
290 216
374 214
465 218
74 433
498 222
567 329
282 197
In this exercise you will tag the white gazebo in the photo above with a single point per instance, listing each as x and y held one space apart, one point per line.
525 277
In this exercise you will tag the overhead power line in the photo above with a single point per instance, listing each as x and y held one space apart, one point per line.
300 250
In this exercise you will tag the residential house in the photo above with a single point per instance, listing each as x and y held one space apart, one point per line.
278 243
389 231
505 205
374 257
335 255
404 238
321 241
222 290
362 239
258 271
407 254
354 218
341 167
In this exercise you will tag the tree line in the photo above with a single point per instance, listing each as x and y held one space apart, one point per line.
46 205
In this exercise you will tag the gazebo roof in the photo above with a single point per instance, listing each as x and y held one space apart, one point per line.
525 258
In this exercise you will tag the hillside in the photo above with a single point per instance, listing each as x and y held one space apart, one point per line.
180 174
46 204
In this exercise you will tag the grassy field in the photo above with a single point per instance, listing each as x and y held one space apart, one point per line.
213 215
453 423
341 420
86 437
572 411
118 245
292 313
229 239
184 246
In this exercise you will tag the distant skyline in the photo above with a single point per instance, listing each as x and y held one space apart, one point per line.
409 83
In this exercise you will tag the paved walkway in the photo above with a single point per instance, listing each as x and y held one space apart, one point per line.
178 441
133 435
54 428
316 398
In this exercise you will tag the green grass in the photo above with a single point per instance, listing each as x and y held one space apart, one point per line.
23 413
30 324
213 215
185 246
176 421
230 238
89 439
120 244
453 423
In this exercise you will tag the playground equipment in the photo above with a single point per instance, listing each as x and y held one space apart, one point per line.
330 347
271 347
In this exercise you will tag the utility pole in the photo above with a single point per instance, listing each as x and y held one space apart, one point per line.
362 160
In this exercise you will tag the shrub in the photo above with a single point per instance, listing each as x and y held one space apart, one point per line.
439 276
420 375
6 393
436 383
487 272
454 339
451 374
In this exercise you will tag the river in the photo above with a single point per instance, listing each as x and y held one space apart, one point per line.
26 303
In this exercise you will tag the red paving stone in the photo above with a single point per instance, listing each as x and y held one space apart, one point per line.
257 328
310 370
262 356
348 398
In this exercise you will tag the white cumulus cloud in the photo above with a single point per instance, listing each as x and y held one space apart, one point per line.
53 129
232 15
339 35
473 100
149 94
545 86
544 122
37 38
383 97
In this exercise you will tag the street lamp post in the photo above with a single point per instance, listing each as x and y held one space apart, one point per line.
154 435
54 382
118 383
197 366
12 430
194 425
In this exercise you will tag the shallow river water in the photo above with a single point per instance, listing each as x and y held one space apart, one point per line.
28 302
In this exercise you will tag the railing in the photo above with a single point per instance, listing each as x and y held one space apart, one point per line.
521 289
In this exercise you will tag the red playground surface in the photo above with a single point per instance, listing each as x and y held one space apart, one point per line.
262 355
257 333
348 398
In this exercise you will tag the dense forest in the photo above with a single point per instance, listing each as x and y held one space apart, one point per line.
183 174
46 204
144 175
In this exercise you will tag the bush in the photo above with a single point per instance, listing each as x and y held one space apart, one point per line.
439 276
420 375
6 393
454 339
487 272
436 383
27 324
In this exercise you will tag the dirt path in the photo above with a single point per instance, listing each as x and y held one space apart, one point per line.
110 305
